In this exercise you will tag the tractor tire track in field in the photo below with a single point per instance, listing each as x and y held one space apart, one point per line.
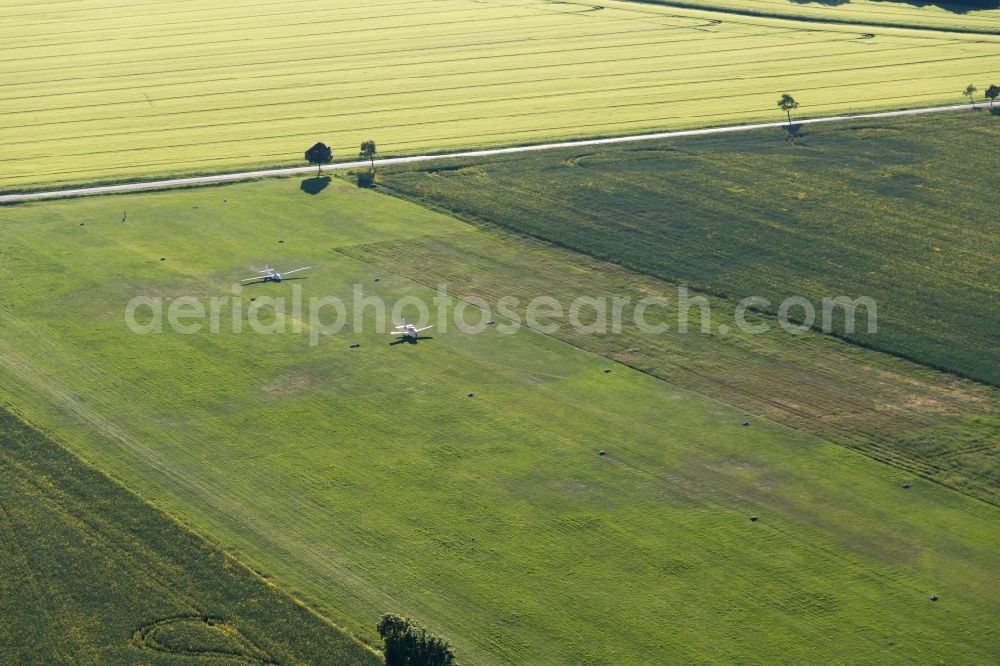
423 107
471 139
623 61
243 649
520 138
292 171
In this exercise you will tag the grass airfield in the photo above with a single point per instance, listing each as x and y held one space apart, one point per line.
365 480
101 92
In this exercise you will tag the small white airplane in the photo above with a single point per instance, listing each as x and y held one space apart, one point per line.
271 275
405 330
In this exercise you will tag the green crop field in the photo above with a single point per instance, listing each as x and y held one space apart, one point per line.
93 575
902 211
366 479
101 91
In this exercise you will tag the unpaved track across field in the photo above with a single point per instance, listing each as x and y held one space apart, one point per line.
293 171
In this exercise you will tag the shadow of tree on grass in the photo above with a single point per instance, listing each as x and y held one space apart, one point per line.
314 185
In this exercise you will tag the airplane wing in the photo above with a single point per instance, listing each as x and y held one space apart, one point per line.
296 270
253 279
424 328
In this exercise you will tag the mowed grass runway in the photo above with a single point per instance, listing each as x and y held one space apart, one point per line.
365 480
98 91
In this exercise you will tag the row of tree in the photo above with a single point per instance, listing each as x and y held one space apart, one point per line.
788 104
320 154
991 93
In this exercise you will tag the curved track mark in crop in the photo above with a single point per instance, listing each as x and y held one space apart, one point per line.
237 648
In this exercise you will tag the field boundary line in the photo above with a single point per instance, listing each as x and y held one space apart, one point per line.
787 16
488 152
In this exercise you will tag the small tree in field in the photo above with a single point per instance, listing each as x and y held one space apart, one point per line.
788 104
368 152
992 93
319 154
407 645
970 92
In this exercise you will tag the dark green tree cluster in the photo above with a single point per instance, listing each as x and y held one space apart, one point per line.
405 644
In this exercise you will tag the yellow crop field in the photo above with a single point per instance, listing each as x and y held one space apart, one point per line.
102 90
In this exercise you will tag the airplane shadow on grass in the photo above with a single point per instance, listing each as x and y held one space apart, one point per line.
314 185
408 340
